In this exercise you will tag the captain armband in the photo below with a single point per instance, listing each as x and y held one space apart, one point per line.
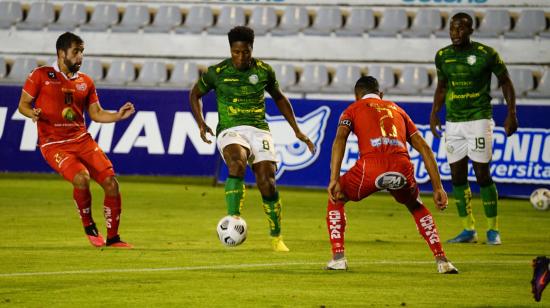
345 122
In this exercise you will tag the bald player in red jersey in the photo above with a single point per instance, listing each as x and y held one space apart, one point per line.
382 129
61 94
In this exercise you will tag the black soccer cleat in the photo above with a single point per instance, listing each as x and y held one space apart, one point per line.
541 276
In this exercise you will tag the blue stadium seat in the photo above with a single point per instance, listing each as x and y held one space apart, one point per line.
263 19
11 12
72 15
166 18
40 15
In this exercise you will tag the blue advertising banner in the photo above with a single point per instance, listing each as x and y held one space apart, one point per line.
163 139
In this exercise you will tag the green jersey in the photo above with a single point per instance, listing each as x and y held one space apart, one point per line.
239 94
467 74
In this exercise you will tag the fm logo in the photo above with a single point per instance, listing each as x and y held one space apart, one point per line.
291 153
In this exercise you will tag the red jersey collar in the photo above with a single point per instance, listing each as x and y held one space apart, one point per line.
56 68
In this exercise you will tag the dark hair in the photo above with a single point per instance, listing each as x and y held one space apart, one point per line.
241 34
463 15
367 84
66 40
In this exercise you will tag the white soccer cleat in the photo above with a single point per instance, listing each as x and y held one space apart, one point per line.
337 265
446 267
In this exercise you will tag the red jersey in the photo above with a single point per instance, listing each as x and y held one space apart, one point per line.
62 100
380 126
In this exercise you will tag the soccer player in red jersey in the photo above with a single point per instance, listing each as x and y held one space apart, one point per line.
382 129
55 97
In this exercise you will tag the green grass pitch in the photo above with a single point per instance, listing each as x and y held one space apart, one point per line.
46 261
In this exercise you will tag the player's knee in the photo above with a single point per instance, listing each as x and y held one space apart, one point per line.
236 167
110 186
266 184
81 180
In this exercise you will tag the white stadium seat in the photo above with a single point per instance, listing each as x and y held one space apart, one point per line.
326 20
294 20
40 14
230 16
135 16
93 68
344 79
530 22
184 75
384 74
412 80
166 18
10 13
20 70
120 73
393 21
358 22
72 15
313 78
285 74
263 19
197 20
103 17
494 23
426 22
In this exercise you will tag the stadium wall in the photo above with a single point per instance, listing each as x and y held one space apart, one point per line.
162 139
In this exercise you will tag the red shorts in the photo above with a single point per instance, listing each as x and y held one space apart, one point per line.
371 174
70 158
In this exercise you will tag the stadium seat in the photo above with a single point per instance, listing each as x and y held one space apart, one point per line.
135 16
40 14
358 21
445 31
426 22
543 88
495 22
166 18
103 16
285 74
152 74
313 78
3 68
183 76
93 68
384 75
72 15
495 89
198 18
120 72
412 80
523 80
21 69
430 90
344 79
230 16
529 24
10 13
263 19
294 20
393 21
326 20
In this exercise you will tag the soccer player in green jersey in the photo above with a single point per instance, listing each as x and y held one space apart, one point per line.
464 71
242 133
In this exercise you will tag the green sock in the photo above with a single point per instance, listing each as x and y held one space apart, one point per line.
234 195
489 197
272 208
463 199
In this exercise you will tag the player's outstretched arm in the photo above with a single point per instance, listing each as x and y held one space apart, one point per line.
440 196
196 108
509 93
338 148
439 100
26 108
100 115
285 107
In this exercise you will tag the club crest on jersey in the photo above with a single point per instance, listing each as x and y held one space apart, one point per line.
291 153
253 79
81 87
390 181
51 75
471 59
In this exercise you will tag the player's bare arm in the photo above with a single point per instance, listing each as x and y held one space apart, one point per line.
439 100
511 122
285 107
338 148
439 196
26 107
100 115
196 108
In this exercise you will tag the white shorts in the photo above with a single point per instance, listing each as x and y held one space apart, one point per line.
471 138
258 142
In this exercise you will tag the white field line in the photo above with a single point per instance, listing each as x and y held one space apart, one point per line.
238 266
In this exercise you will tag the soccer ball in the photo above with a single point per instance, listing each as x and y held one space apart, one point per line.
540 199
232 230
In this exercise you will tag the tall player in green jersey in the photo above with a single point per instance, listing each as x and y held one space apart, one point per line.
242 133
464 71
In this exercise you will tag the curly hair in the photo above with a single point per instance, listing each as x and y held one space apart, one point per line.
241 34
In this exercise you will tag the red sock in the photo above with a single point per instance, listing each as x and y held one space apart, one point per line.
83 200
111 210
426 226
336 225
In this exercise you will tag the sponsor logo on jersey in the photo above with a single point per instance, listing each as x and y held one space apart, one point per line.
81 87
471 59
390 181
291 153
230 79
51 75
253 79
